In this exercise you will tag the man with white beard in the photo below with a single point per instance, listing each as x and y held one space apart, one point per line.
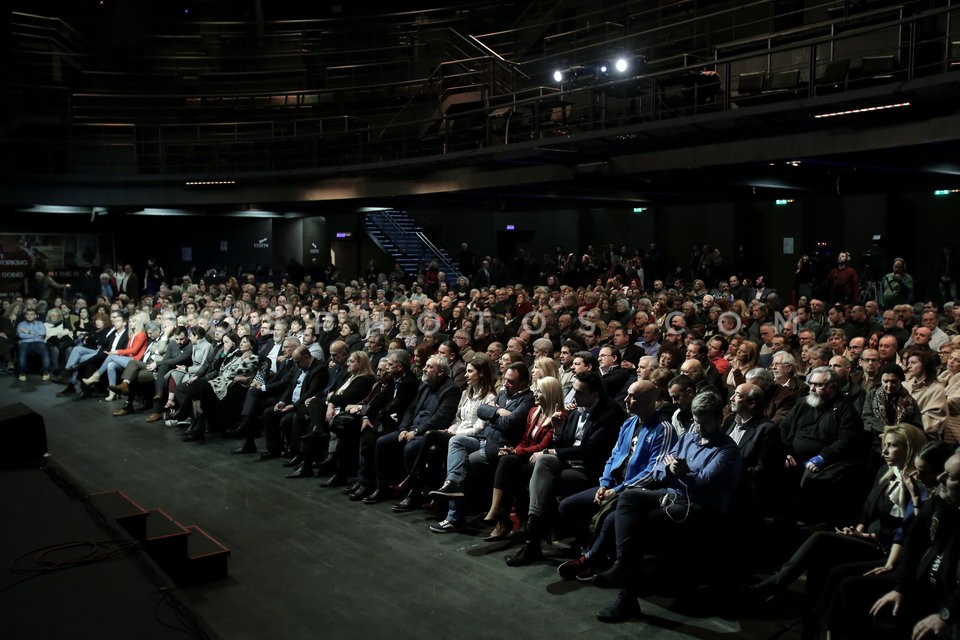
826 465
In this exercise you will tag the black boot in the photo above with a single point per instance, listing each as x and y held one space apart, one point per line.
197 430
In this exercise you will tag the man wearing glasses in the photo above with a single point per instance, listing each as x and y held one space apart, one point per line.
615 378
826 463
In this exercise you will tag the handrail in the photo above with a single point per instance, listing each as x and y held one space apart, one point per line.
441 257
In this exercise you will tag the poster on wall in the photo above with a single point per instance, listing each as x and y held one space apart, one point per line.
66 256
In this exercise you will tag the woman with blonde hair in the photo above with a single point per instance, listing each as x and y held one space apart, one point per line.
513 463
543 367
744 359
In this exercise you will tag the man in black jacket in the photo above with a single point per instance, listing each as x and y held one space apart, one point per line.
263 395
290 412
434 408
381 414
574 460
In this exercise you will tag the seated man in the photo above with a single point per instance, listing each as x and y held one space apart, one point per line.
31 340
263 394
759 441
433 408
691 490
138 369
576 456
381 414
291 410
826 464
645 438
505 418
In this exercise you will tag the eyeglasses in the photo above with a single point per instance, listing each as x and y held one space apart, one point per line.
818 385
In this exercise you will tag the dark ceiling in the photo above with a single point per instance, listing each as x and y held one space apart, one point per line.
764 150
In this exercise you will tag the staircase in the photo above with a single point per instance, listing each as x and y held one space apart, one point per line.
399 236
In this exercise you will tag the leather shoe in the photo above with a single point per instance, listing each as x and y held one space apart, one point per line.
289 455
336 480
154 417
359 494
528 553
269 455
303 471
295 461
125 410
409 503
68 391
193 436
120 389
375 497
246 447
356 485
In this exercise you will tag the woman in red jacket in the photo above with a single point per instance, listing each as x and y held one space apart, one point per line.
513 465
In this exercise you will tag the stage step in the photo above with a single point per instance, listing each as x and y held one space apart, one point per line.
121 508
166 539
206 558
188 554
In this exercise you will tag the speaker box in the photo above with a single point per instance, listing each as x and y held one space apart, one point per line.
23 435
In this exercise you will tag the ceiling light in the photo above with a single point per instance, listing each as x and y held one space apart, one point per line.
621 65
558 76
56 208
210 183
862 110
170 213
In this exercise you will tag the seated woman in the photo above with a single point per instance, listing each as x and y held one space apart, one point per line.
872 539
931 396
222 395
481 378
745 358
330 420
118 359
850 588
513 463
92 342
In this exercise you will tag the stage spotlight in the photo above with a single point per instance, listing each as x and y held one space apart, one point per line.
621 65
558 76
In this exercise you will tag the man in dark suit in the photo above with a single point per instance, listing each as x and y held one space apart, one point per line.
381 414
434 408
763 453
263 395
615 378
574 460
291 411
630 353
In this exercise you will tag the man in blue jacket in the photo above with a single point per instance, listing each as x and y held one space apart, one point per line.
645 438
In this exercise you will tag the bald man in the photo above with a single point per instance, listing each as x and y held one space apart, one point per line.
645 438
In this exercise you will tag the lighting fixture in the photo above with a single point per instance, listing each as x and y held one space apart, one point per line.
862 110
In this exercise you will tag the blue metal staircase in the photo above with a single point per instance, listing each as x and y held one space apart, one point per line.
400 237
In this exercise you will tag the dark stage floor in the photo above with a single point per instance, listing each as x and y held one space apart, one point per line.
306 562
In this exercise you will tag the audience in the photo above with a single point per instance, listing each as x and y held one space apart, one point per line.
511 398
